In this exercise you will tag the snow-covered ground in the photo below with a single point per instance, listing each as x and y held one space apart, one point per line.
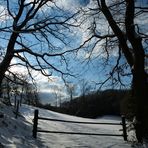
17 133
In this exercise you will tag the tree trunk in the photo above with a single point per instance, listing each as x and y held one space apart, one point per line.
140 84
1 78
140 88
140 92
135 58
4 65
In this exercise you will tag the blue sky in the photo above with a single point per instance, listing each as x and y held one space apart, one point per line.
45 85
91 71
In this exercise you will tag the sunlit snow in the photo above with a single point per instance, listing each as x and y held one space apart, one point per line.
17 133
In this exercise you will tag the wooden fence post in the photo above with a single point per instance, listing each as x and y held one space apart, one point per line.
35 123
124 128
17 108
15 102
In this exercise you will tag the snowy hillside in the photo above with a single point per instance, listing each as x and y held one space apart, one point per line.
17 133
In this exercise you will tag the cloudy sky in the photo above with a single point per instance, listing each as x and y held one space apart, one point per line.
49 87
88 70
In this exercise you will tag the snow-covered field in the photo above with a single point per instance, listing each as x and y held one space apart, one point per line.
17 133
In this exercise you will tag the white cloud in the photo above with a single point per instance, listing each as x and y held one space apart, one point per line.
51 85
3 14
17 68
71 5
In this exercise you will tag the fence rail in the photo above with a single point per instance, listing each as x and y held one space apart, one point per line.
51 119
74 133
36 118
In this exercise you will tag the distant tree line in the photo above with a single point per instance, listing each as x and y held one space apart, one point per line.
17 87
92 105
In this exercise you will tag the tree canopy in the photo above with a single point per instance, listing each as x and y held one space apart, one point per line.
30 31
114 32
124 32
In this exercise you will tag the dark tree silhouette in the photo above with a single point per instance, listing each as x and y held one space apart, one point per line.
122 31
30 31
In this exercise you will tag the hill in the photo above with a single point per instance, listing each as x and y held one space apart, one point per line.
92 105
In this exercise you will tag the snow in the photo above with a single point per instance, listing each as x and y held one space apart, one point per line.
17 133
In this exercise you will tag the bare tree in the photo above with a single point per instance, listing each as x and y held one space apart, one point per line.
57 90
34 33
71 90
6 87
85 87
30 94
18 87
122 31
